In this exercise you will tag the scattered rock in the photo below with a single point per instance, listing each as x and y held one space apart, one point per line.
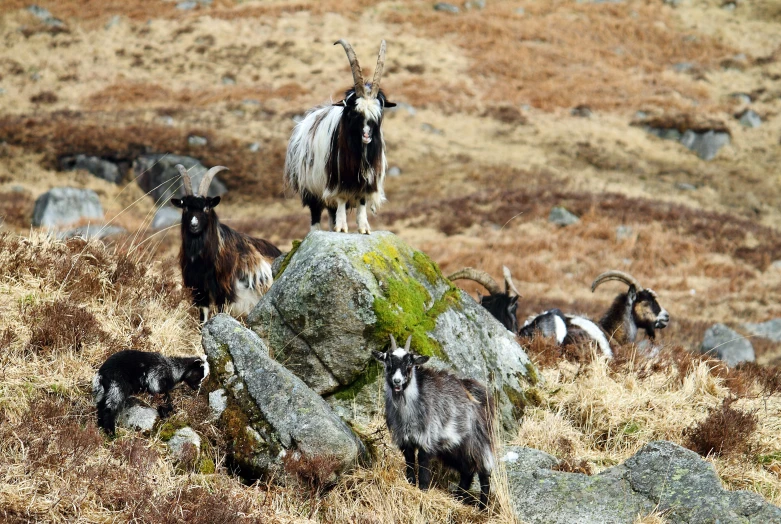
97 166
196 141
776 264
742 98
254 147
641 115
337 297
137 415
582 111
45 16
683 67
431 129
474 4
65 205
113 21
665 133
520 11
187 5
271 412
705 144
448 8
228 80
750 119
157 176
403 106
167 120
661 477
727 345
2 91
624 232
685 186
182 437
674 3
92 231
770 330
561 217
729 6
166 216
218 401
394 171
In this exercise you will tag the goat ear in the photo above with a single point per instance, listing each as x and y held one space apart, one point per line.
339 103
632 294
420 359
177 202
214 201
479 298
389 104
378 355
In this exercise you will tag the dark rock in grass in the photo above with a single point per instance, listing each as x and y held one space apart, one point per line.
770 330
562 217
750 119
448 8
166 217
727 345
706 144
137 415
94 165
65 205
157 175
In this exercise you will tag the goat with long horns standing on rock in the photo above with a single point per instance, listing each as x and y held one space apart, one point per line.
336 155
221 266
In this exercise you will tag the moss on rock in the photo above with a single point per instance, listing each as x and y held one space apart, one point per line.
288 258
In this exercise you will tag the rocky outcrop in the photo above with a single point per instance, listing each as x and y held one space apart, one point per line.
269 412
727 345
62 206
661 477
337 297
105 169
157 176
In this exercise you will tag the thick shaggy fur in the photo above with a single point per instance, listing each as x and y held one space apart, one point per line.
330 164
131 372
440 416
221 266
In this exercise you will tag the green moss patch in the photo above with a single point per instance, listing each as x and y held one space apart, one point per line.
288 258
170 427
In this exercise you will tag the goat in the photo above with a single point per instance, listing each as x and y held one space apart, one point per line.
336 154
637 309
220 265
131 372
501 304
440 416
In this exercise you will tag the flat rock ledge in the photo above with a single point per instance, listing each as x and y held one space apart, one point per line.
662 477
336 297
271 414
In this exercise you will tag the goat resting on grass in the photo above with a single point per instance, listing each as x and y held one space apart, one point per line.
220 265
131 372
440 416
336 155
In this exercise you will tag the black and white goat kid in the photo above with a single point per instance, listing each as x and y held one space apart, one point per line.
131 372
220 265
440 416
501 304
636 310
336 154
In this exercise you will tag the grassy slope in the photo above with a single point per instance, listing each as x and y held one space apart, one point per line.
477 193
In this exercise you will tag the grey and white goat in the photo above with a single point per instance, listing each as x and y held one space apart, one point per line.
336 155
131 372
440 416
637 309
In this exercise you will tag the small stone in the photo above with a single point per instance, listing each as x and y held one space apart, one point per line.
166 217
582 111
741 98
641 115
750 119
729 6
228 80
448 8
218 401
682 67
520 11
685 186
167 120
474 4
181 438
35 76
431 129
727 345
197 141
137 415
92 232
187 5
561 217
776 264
113 21
623 232
298 118
674 3
250 102
2 91
394 171
45 16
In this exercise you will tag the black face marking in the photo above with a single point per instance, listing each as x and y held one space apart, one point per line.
503 307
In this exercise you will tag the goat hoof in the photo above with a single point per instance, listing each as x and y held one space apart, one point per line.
366 231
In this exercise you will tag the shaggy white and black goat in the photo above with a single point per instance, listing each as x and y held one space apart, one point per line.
637 309
440 416
220 265
131 372
336 155
501 304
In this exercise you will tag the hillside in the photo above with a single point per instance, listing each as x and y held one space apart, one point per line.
504 112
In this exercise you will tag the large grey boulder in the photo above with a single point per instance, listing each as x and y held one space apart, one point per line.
166 216
770 330
727 345
94 165
705 143
271 413
157 176
337 297
62 206
662 477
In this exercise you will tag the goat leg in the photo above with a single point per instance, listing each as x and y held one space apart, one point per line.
409 459
424 469
485 488
464 485
341 216
363 221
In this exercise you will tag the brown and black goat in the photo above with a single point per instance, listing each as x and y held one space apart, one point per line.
336 155
221 266
501 304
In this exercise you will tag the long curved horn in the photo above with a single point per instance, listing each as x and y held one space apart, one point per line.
378 71
203 188
188 184
509 287
406 346
360 88
481 277
626 278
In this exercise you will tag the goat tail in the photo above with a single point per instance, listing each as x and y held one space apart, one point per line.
375 200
